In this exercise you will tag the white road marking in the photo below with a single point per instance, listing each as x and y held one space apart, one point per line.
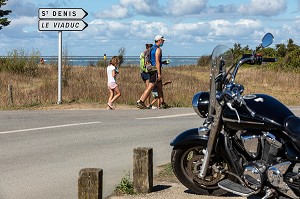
48 127
167 116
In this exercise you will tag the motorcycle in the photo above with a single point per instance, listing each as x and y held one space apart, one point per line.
247 145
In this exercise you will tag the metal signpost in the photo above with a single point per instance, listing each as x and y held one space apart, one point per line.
61 19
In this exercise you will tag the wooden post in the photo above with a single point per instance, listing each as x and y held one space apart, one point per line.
10 95
143 170
90 183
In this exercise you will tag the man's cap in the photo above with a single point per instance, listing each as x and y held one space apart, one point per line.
158 37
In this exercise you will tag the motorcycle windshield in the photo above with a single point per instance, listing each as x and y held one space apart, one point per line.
221 58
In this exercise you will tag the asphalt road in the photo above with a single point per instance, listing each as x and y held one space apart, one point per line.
42 152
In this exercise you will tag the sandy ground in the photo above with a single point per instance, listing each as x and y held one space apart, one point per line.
166 186
171 190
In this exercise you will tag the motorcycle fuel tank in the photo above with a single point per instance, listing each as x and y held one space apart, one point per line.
269 114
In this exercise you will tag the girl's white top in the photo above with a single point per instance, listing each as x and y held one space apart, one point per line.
110 78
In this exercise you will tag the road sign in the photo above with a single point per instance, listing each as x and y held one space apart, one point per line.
62 25
62 13
61 19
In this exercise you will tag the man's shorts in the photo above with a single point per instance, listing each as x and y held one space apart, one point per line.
145 76
153 77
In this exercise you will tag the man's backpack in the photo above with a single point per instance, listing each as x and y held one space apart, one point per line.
145 62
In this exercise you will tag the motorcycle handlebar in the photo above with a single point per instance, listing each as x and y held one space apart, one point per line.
269 59
256 59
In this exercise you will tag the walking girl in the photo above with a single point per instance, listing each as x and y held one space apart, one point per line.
114 91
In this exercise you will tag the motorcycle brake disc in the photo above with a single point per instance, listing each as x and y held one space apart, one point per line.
193 168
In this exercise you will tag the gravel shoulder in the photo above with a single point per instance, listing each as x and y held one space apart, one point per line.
170 190
166 186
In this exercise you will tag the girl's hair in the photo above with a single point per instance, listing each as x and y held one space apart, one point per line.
114 61
148 45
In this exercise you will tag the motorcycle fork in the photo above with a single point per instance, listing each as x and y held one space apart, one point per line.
214 132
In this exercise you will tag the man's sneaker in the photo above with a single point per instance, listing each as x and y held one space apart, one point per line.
164 106
140 104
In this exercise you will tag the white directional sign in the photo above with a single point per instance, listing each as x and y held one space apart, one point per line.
62 13
61 19
62 25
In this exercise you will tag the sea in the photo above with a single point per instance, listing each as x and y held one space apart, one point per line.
128 60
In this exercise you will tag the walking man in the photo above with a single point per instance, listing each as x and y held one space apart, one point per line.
155 74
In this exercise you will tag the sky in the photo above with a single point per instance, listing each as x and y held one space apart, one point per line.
191 27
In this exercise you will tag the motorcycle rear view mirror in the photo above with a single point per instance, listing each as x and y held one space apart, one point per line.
267 40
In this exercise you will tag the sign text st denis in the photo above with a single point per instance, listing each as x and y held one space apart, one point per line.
62 13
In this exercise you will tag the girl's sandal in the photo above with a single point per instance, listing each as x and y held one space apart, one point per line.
110 106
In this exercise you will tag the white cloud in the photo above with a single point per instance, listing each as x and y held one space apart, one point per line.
59 3
21 27
129 8
115 12
186 7
136 29
264 8
21 8
191 29
139 5
291 29
242 27
23 21
144 7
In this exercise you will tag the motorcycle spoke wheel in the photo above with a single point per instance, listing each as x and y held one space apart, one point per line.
187 163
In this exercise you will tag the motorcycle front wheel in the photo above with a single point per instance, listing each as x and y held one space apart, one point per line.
187 161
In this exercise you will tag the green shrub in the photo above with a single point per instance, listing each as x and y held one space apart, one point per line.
125 186
204 60
19 62
102 63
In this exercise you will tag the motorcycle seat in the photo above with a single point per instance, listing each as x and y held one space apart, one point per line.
292 127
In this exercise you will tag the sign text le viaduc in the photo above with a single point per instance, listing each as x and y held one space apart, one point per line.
61 19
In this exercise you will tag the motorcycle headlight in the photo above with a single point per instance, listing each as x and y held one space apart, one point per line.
200 103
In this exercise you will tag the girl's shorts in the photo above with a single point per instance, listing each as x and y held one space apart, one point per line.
112 85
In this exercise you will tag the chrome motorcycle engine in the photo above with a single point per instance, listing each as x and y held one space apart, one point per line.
254 175
269 166
276 177
264 146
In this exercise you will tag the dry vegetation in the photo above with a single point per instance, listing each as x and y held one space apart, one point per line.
83 85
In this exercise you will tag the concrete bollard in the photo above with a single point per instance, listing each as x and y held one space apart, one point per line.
90 183
143 170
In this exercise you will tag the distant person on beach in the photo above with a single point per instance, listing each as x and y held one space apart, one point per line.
42 61
155 74
114 91
155 96
144 73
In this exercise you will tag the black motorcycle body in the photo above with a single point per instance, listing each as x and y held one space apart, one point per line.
247 145
267 117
